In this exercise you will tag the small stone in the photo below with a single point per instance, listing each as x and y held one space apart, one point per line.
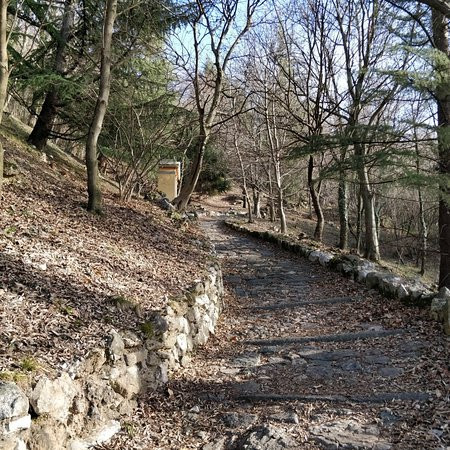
115 346
236 420
19 424
267 438
388 417
349 434
218 444
13 401
54 397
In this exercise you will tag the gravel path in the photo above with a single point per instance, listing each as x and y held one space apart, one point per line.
305 359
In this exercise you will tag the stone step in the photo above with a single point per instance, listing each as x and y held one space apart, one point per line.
382 397
302 304
344 337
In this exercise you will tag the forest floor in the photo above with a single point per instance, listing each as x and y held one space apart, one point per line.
302 359
66 276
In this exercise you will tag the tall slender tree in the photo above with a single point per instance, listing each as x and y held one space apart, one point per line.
4 70
93 179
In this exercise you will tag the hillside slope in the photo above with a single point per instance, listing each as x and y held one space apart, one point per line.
67 277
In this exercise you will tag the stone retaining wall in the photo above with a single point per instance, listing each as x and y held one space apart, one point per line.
84 405
365 272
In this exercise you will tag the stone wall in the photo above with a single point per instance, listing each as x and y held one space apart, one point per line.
84 405
363 271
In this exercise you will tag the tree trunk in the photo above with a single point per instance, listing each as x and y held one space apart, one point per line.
343 207
440 34
371 246
318 232
423 234
272 214
93 183
281 209
359 213
45 121
257 203
4 71
189 183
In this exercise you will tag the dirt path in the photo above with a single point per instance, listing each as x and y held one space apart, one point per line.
303 359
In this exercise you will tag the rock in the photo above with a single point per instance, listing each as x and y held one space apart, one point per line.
104 433
266 438
164 204
23 423
182 343
437 309
11 443
285 417
389 285
403 292
447 319
250 359
137 357
325 258
127 383
237 420
130 339
388 417
54 397
373 279
13 402
314 256
218 444
47 438
94 362
115 346
361 275
348 434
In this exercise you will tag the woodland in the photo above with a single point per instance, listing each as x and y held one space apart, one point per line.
335 109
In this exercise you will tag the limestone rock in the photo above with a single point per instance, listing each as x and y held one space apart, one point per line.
22 423
136 357
437 310
54 397
115 346
389 284
127 383
325 258
236 420
314 256
130 339
266 438
12 443
47 438
218 444
403 292
373 279
348 434
13 402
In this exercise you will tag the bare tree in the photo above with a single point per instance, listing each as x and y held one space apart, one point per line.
93 180
4 70
220 24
